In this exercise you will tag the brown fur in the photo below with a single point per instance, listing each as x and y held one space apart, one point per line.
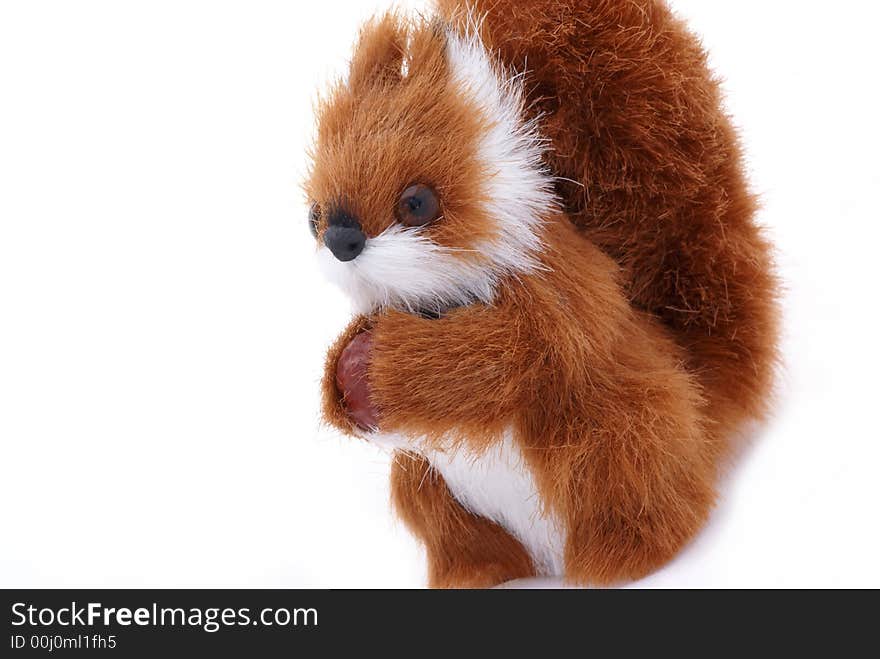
656 176
649 336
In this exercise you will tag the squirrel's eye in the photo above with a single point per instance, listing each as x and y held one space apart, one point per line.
418 206
314 218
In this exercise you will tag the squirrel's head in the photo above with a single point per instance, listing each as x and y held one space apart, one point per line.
427 185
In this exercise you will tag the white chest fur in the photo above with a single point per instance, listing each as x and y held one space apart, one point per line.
497 484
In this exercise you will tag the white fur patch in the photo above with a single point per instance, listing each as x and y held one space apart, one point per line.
497 484
403 269
518 187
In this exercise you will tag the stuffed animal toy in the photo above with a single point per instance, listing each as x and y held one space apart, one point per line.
566 313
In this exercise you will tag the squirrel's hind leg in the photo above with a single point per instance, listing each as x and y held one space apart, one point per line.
464 550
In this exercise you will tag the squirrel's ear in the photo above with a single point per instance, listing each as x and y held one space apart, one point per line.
379 54
427 49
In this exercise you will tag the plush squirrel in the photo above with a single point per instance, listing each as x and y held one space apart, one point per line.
566 311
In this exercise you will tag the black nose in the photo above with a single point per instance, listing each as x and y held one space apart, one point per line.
345 242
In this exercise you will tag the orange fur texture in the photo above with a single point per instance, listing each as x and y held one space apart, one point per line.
655 176
647 336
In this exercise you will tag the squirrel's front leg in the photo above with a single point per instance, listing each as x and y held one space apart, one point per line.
462 372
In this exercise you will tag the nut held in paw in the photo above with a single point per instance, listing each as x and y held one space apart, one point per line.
351 379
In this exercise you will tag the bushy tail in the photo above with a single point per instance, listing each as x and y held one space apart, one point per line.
654 175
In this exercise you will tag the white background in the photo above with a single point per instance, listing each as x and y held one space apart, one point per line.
162 322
